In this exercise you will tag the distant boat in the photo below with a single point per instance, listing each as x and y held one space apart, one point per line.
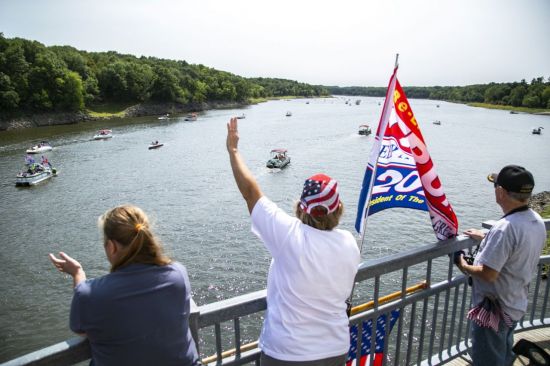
34 172
242 116
513 112
40 148
155 145
289 114
307 102
438 122
358 101
166 116
191 117
364 130
537 131
437 105
279 159
103 134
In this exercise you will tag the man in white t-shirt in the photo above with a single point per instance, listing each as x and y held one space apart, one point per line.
311 273
501 272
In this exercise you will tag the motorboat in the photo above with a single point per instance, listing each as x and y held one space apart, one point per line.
279 159
103 134
34 172
537 131
514 112
155 145
364 130
289 114
242 116
191 117
358 101
437 122
165 117
41 147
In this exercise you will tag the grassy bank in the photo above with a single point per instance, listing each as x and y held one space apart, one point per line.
108 110
510 108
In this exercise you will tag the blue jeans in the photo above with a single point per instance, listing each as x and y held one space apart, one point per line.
492 348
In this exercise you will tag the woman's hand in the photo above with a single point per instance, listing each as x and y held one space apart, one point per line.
69 265
232 135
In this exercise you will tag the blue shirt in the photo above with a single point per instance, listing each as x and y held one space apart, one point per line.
137 315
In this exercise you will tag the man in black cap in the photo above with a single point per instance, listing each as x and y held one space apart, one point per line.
502 269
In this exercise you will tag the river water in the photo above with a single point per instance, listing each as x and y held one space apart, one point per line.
188 190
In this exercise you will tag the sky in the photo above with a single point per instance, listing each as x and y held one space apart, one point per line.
323 42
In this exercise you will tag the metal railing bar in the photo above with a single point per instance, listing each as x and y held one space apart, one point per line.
545 302
411 333
453 319
218 335
444 323
376 291
371 268
386 336
534 299
462 312
422 330
434 325
237 325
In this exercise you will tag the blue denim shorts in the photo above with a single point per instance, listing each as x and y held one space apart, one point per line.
492 348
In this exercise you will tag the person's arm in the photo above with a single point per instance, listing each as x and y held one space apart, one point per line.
70 266
246 182
482 271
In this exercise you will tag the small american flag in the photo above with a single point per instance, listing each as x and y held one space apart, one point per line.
366 341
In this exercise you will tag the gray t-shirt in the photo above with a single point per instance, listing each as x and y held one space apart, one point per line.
512 247
137 315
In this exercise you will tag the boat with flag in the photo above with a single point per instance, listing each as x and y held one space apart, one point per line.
41 147
34 172
279 159
103 134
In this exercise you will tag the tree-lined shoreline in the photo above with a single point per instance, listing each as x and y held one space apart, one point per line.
42 85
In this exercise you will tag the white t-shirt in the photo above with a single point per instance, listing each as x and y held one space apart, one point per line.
310 277
512 247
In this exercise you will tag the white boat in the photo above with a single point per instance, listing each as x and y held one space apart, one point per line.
364 130
40 148
166 116
191 117
289 114
437 122
103 134
279 159
35 173
242 116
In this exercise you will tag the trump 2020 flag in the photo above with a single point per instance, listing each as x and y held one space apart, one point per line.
403 171
366 338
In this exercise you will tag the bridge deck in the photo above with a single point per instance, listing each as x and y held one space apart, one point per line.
540 336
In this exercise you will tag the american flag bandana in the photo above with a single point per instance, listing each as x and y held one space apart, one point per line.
320 190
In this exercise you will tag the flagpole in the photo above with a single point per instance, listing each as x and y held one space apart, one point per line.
384 117
373 177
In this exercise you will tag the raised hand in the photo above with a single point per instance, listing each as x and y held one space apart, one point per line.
69 265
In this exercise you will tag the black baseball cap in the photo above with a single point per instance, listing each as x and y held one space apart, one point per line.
513 178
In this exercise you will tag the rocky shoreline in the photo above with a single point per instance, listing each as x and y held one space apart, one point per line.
138 110
540 201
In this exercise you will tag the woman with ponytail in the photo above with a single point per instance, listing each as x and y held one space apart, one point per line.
138 314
